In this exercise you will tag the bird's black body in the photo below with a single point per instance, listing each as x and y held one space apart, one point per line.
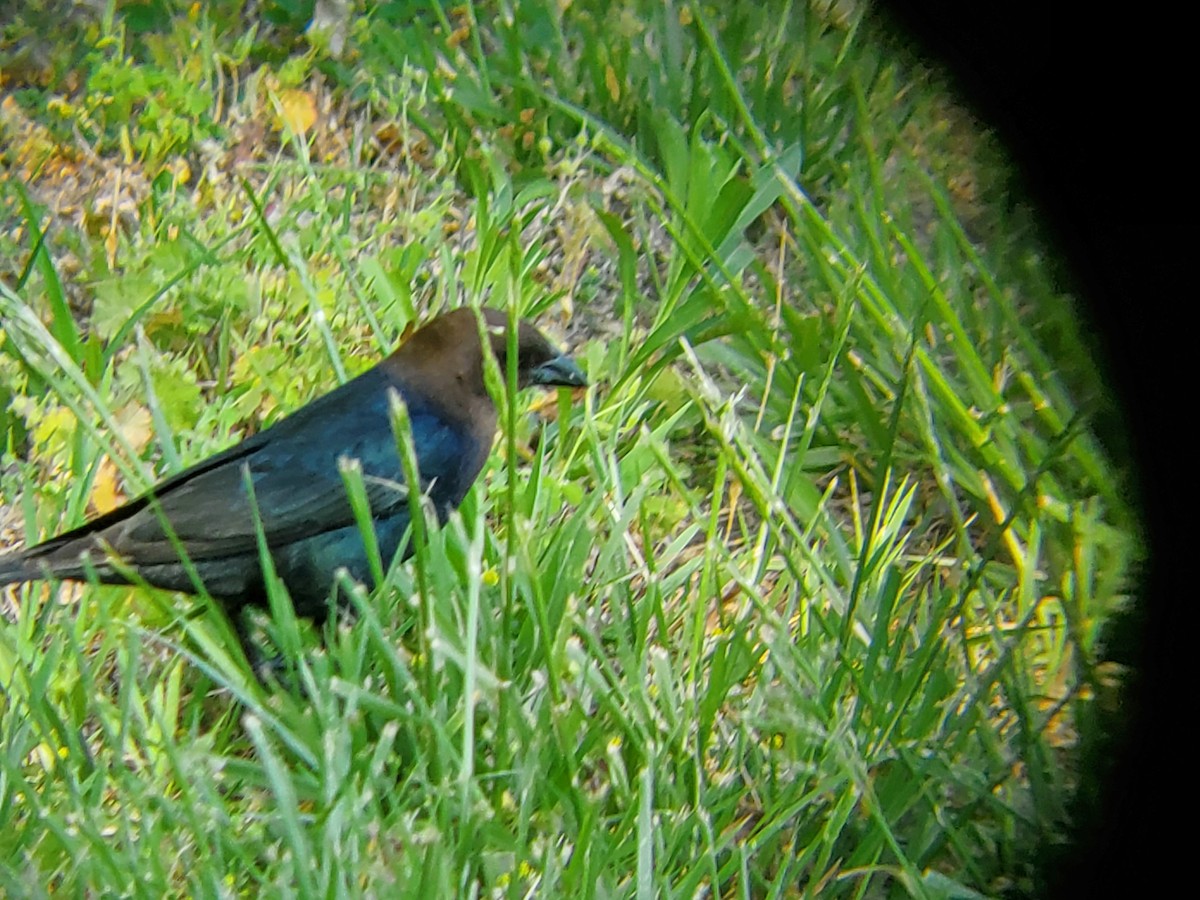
298 488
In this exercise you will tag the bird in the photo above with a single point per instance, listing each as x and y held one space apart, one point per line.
293 468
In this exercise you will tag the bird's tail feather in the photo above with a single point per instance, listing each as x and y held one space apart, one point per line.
15 568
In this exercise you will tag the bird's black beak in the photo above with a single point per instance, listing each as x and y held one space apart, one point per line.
562 370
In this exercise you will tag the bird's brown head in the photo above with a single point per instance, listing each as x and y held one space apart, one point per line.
538 361
445 359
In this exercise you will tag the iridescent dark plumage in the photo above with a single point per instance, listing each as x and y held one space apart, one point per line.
298 489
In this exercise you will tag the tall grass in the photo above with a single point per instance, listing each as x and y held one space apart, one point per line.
804 596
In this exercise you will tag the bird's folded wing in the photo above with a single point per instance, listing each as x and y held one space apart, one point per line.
298 492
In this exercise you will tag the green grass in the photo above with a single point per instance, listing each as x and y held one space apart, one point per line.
805 595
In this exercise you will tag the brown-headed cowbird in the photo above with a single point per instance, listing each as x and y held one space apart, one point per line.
306 516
